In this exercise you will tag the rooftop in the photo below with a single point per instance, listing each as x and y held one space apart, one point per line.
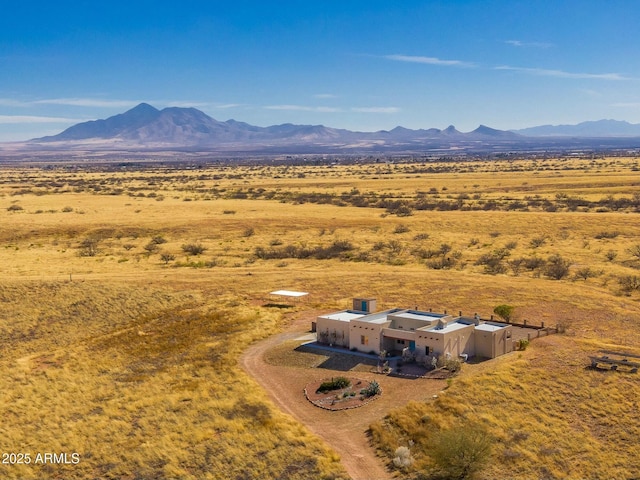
450 327
417 315
345 315
490 327
380 317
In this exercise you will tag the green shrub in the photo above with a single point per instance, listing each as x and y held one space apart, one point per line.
504 311
372 390
333 384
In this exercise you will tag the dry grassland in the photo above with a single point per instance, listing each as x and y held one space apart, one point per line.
127 297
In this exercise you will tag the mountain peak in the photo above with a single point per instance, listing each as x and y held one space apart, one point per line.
450 130
142 108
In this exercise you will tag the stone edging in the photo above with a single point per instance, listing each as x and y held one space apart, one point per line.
361 404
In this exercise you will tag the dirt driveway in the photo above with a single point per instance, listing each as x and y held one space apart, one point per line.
346 430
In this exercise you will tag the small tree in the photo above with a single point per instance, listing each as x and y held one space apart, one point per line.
167 257
89 247
504 311
158 240
557 267
151 247
461 452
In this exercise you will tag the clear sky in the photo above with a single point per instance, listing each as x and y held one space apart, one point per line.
362 65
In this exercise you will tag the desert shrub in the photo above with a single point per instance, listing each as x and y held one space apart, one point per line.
607 234
522 344
193 248
533 263
461 451
158 240
635 251
336 249
401 208
403 458
88 247
167 257
537 241
333 384
445 248
151 247
401 228
557 267
504 311
492 263
629 283
611 255
248 232
14 208
585 273
453 365
425 253
516 265
442 263
421 236
372 389
67 209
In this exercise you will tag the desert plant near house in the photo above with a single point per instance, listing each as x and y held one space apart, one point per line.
333 384
504 311
461 451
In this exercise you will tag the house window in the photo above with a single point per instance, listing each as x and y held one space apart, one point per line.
401 342
426 350
364 340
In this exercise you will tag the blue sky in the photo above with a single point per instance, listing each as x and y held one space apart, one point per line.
361 65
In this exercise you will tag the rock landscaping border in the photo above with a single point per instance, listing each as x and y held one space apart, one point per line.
340 399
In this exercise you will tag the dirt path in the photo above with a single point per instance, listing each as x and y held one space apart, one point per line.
345 431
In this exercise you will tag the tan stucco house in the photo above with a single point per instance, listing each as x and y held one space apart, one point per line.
421 335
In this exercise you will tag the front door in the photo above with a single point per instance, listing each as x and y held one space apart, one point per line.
412 346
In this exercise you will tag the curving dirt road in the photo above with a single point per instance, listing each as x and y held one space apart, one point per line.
345 431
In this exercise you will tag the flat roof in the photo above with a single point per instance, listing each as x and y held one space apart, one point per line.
345 315
451 327
380 317
415 315
289 293
489 327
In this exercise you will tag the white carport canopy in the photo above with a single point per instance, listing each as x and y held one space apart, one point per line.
289 293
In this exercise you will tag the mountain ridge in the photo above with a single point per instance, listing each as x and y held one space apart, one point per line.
191 127
144 127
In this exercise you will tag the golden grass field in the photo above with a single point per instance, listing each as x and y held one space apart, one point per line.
121 342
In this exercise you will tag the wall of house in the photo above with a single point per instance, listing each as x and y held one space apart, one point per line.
401 323
365 336
493 344
460 341
441 342
428 339
335 332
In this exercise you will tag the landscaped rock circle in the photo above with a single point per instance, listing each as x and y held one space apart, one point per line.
342 398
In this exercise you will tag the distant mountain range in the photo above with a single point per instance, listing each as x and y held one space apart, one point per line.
599 128
147 128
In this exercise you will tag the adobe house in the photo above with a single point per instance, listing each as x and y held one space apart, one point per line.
419 335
